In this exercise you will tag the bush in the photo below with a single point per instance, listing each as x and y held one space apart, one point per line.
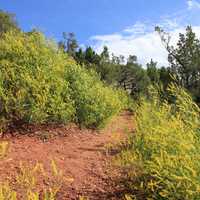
94 102
163 158
40 84
32 87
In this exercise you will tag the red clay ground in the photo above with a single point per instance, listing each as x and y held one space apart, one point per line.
80 154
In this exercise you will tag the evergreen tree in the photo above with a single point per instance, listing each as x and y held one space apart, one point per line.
153 72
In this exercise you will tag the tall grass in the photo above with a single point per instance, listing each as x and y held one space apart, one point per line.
163 158
4 147
26 185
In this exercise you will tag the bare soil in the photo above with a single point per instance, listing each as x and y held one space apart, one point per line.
81 154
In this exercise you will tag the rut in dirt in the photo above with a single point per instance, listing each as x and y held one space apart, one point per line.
79 153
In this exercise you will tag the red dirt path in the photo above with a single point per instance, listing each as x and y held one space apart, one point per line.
79 153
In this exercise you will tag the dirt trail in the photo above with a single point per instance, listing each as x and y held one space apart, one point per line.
79 153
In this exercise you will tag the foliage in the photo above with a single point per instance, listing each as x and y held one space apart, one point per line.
69 44
39 83
162 159
184 60
7 22
117 71
32 86
26 183
94 103
134 79
153 72
113 70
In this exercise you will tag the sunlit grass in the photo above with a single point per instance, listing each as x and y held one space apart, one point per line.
4 147
162 160
26 185
6 193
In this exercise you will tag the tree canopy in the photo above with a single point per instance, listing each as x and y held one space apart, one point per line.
7 22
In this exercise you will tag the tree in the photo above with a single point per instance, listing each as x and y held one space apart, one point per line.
72 44
133 78
69 44
80 56
132 59
105 57
91 56
152 72
115 59
165 77
7 22
185 60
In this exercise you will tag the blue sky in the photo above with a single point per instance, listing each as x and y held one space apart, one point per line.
115 23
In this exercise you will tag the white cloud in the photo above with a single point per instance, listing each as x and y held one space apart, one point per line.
145 47
107 38
141 40
137 28
190 4
193 4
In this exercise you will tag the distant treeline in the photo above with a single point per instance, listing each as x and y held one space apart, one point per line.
183 68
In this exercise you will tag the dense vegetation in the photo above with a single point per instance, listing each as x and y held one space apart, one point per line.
116 70
184 60
127 73
39 83
162 158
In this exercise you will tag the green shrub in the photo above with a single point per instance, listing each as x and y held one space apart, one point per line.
163 157
32 87
40 84
94 102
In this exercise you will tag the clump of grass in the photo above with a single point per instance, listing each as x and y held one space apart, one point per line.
6 193
26 177
162 159
26 185
130 197
4 146
83 198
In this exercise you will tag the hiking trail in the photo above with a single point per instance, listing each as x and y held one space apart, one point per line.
79 153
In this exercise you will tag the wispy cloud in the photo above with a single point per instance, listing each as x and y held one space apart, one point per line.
193 4
137 28
107 38
140 39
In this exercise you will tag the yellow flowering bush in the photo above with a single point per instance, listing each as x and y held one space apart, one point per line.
32 87
41 84
163 158
94 102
